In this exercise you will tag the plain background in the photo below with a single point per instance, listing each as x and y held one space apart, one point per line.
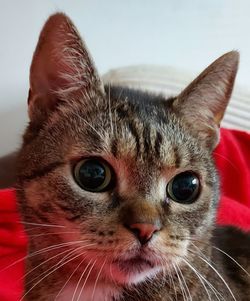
187 35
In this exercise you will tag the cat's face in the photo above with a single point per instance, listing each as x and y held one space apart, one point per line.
126 178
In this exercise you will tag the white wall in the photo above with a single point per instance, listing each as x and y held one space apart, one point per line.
184 34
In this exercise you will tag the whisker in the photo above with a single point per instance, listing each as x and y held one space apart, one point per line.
47 276
97 278
42 225
220 250
173 283
42 263
54 233
58 263
228 161
86 279
72 274
50 248
235 261
164 277
112 277
219 275
51 268
200 277
185 283
80 279
180 282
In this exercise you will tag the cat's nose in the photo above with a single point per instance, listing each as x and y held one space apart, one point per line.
144 232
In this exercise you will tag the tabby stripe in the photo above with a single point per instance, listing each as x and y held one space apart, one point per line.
39 173
115 201
177 157
114 149
62 207
74 216
158 142
134 132
122 113
42 217
31 212
46 207
147 139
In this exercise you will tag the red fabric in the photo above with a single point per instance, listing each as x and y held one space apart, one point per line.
12 248
232 159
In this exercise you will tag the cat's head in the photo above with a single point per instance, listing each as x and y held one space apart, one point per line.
123 177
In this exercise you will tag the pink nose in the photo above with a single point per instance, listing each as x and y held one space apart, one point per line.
144 232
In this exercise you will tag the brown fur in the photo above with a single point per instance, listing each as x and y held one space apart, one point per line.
147 140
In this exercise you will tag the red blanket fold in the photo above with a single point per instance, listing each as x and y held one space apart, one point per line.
12 248
233 161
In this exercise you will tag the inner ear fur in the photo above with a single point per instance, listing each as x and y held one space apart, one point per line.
203 103
61 69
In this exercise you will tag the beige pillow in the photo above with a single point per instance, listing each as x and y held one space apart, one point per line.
170 81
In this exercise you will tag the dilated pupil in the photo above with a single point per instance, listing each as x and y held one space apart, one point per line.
92 174
184 186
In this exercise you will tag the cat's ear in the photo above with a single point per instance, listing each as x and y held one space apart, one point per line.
202 104
61 68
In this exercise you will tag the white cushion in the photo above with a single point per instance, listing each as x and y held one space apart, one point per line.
170 81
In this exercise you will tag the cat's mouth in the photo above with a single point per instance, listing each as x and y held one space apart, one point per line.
135 263
134 269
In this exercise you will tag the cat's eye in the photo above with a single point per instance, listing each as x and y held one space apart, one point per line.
184 188
94 175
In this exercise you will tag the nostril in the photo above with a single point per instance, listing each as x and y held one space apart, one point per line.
144 232
135 231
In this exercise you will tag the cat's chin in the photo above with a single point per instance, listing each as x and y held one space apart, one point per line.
133 271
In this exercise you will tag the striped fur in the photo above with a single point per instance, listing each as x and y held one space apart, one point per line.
147 140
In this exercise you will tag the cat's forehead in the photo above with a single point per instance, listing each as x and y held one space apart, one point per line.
141 104
143 141
132 126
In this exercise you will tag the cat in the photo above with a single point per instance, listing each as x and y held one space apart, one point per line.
117 187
